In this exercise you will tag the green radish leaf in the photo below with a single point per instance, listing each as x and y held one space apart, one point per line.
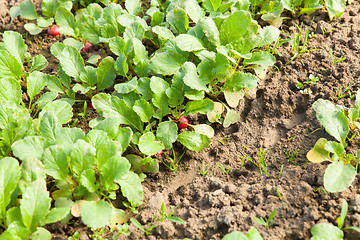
204 129
193 140
28 10
15 45
30 147
72 42
56 49
49 126
82 157
240 81
38 63
9 178
233 98
89 28
121 65
61 109
108 125
71 62
41 234
209 28
149 145
55 162
188 43
144 110
57 214
167 133
178 20
236 235
9 66
10 90
96 214
333 119
14 12
254 234
35 204
93 59
260 58
131 188
230 118
160 100
133 6
126 87
326 231
193 10
111 106
339 176
32 28
215 114
54 85
201 106
117 45
236 26
124 137
268 34
44 23
318 154
166 63
45 98
212 5
335 8
36 82
69 136
108 176
32 170
66 22
163 32
106 73
88 179
192 79
335 147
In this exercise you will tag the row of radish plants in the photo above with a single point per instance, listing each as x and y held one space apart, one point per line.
166 60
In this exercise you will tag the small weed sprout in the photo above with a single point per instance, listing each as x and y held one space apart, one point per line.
301 85
296 40
222 141
262 160
292 155
267 222
175 162
341 93
204 171
224 171
334 59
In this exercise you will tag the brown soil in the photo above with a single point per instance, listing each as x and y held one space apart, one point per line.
279 118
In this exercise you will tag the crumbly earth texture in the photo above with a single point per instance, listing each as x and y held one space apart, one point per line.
277 119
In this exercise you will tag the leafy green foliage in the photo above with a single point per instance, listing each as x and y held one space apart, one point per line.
336 120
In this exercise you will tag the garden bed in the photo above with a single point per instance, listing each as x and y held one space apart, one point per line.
277 123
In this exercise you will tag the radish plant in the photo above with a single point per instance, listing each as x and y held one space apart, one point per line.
339 122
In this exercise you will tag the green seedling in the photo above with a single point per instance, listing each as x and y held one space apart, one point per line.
174 162
224 171
169 216
329 231
83 114
296 40
222 141
262 160
267 222
338 121
341 93
334 59
204 171
146 230
292 155
281 170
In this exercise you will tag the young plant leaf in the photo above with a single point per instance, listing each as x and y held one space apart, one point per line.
318 154
71 62
55 162
9 177
333 119
188 43
240 81
193 140
30 147
35 204
167 133
131 188
230 118
9 66
192 78
36 82
326 231
65 20
149 145
28 10
200 106
10 90
105 73
143 109
339 176
96 214
15 45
